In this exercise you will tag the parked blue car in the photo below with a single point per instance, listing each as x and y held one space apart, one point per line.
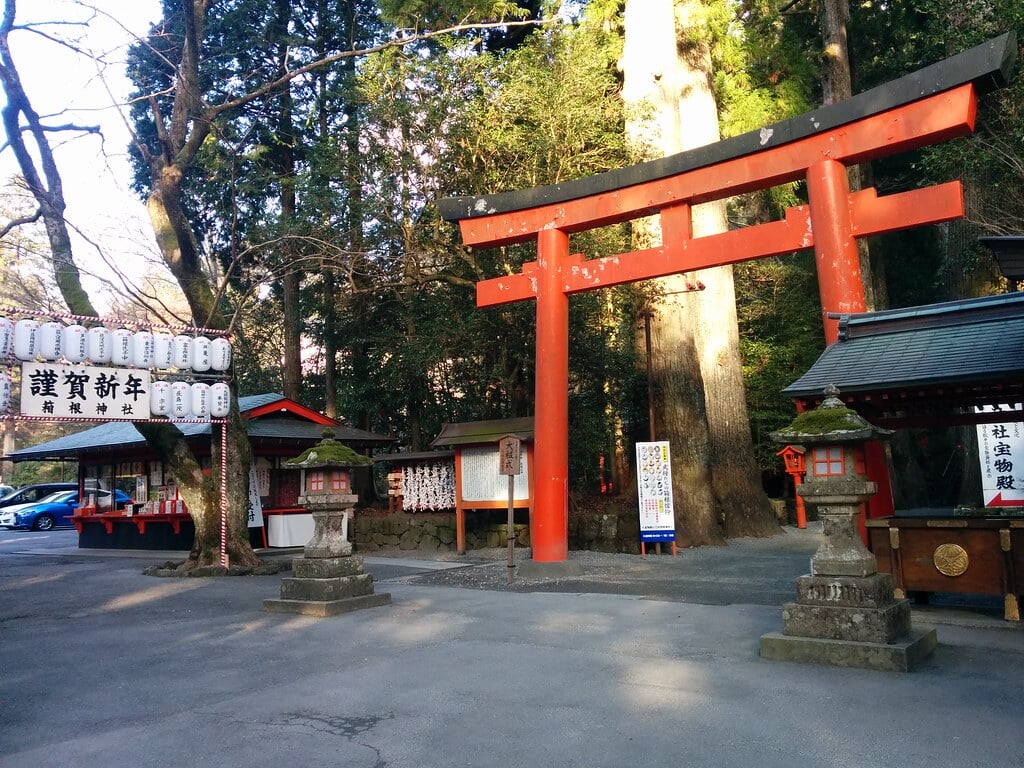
55 509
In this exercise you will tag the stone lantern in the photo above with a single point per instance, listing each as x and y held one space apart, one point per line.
845 613
327 579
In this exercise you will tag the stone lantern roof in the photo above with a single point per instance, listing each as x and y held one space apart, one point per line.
328 453
831 422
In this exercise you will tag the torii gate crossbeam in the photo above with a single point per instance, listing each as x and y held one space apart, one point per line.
932 105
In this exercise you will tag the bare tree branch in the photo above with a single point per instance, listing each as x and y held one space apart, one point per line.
15 223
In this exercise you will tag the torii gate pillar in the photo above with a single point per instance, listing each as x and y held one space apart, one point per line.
932 105
549 518
835 249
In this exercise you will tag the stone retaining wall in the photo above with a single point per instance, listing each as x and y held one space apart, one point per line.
614 530
373 530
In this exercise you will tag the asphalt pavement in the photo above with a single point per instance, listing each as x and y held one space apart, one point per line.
638 661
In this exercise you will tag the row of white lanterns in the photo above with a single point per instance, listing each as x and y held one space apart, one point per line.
29 339
175 399
181 400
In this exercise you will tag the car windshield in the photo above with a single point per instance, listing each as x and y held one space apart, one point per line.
57 497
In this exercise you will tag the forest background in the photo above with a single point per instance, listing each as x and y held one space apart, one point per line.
312 202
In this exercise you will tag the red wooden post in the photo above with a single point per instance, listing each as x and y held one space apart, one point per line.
551 436
801 509
835 249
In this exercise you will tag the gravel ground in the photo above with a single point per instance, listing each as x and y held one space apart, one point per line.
744 571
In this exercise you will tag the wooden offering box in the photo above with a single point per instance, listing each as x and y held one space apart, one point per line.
969 555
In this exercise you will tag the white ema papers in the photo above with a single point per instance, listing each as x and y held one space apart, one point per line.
654 485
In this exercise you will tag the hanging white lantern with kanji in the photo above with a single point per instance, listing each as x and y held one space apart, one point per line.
143 351
201 358
6 337
26 339
98 342
75 343
220 400
200 400
51 340
5 392
220 354
181 399
160 398
121 347
163 350
182 346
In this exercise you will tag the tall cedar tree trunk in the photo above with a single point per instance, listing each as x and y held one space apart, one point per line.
837 85
700 405
284 161
358 349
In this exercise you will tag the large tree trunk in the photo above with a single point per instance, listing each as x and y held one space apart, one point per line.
700 404
177 246
284 161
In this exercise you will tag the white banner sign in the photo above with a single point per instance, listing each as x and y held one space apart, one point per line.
654 486
1001 453
84 391
255 513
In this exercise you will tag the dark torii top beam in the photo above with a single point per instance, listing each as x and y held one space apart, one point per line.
986 66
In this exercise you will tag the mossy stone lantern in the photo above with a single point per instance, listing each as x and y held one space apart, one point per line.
846 613
326 491
327 579
836 482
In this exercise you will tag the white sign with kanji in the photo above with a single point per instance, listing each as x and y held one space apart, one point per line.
654 481
1001 453
84 391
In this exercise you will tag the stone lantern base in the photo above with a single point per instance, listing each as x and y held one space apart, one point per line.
849 621
846 613
328 579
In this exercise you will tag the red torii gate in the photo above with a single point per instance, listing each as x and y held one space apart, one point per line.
929 106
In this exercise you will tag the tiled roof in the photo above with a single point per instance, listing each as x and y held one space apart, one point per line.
293 429
957 342
411 457
470 432
119 435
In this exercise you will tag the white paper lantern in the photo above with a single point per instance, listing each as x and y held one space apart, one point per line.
75 345
181 399
6 337
182 351
220 354
200 400
98 343
220 400
26 339
160 398
5 393
163 350
201 358
51 340
143 352
121 347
